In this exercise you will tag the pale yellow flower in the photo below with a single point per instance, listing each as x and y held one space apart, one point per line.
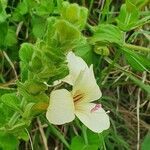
64 105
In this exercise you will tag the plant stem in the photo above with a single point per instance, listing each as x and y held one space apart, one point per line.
14 118
90 7
30 139
16 115
138 48
85 134
11 64
57 133
2 79
42 134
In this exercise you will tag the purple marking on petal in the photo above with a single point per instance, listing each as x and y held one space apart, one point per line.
97 106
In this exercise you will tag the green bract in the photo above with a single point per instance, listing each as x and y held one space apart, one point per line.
75 14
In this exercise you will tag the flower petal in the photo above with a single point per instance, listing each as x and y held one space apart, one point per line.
86 85
75 64
92 116
61 107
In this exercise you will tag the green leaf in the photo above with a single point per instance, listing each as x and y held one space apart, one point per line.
137 60
5 113
24 71
7 90
3 33
11 38
50 30
3 5
2 114
25 52
59 3
75 14
138 82
142 21
27 111
107 33
66 34
8 142
95 138
36 65
3 14
145 87
35 87
128 16
84 50
21 10
105 11
61 35
23 91
22 134
101 50
44 7
91 147
60 72
77 143
57 133
38 26
12 101
146 142
41 97
140 3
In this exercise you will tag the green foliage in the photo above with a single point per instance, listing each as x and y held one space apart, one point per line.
39 8
65 30
35 87
25 54
145 143
12 101
11 38
8 141
128 16
78 143
102 50
107 33
57 133
137 61
38 26
93 141
3 14
140 3
74 14
3 33
5 114
138 82
44 7
114 37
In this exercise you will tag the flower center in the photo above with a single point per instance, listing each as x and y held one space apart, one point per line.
78 96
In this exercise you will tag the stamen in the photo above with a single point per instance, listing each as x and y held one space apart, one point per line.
107 112
97 106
